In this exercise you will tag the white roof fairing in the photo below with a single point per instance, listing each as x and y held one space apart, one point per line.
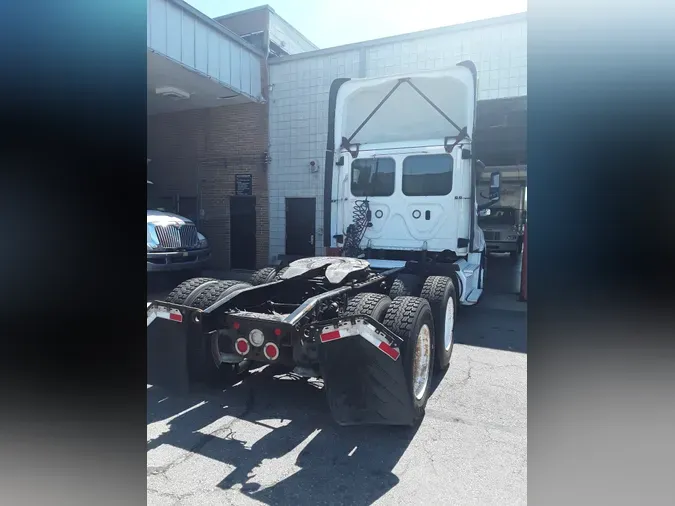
406 115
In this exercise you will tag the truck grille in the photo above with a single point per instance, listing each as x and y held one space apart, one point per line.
173 236
491 236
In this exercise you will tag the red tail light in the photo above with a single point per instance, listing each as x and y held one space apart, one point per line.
242 346
271 351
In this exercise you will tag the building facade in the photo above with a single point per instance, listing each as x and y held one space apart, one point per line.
208 114
299 90
238 117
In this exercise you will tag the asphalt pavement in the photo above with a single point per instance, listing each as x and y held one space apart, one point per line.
270 439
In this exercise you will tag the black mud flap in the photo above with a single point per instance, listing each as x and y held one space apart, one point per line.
364 385
167 356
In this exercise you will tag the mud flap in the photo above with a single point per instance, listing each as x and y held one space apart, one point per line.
167 356
363 384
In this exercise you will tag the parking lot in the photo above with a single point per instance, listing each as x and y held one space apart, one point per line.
270 439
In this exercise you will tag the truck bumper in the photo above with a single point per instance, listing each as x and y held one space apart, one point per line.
502 246
171 261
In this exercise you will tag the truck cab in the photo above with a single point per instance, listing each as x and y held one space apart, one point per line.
401 174
173 242
503 228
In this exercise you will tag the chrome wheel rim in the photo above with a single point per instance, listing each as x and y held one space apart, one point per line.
422 362
449 324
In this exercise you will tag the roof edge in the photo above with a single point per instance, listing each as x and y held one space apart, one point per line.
295 30
214 24
509 18
246 11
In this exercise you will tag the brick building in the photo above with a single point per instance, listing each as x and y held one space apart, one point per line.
208 119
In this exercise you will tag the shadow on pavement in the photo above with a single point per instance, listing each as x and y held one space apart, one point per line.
352 463
346 465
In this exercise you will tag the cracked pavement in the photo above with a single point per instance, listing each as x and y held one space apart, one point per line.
271 440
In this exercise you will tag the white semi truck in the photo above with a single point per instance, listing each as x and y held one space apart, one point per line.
375 317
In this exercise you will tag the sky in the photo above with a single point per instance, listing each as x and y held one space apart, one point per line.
329 23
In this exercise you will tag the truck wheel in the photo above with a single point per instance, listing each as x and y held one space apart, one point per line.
441 294
405 285
263 276
202 362
214 293
411 319
279 274
182 292
374 305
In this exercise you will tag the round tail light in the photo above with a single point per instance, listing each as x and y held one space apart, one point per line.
242 346
271 351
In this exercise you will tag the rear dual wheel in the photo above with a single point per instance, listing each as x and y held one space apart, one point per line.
411 319
267 275
203 356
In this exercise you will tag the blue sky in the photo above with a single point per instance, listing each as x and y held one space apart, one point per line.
333 23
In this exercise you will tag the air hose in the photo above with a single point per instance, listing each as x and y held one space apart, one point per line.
355 232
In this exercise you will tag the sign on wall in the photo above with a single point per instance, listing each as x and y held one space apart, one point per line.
243 184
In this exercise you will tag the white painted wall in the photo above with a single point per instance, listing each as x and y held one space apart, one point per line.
300 87
287 37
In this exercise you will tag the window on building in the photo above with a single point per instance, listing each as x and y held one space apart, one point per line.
426 175
373 177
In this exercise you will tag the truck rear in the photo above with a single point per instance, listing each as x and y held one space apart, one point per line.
376 318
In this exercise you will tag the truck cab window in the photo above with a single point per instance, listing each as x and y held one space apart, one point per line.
373 177
427 175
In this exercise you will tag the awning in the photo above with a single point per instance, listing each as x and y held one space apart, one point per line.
194 62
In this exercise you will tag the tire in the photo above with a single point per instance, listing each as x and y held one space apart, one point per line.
214 293
186 289
280 273
405 285
263 276
201 361
406 317
441 294
374 305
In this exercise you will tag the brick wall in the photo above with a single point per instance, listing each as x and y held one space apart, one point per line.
198 153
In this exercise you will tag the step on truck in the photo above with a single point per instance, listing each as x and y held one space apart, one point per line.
375 317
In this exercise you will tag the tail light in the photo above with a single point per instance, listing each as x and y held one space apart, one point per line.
242 346
271 351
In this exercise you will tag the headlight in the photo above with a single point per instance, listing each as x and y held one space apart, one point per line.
203 243
511 238
152 239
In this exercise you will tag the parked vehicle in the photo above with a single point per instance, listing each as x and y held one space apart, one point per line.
173 242
503 229
377 317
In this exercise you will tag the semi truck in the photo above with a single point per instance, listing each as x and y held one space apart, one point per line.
173 242
503 224
375 316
